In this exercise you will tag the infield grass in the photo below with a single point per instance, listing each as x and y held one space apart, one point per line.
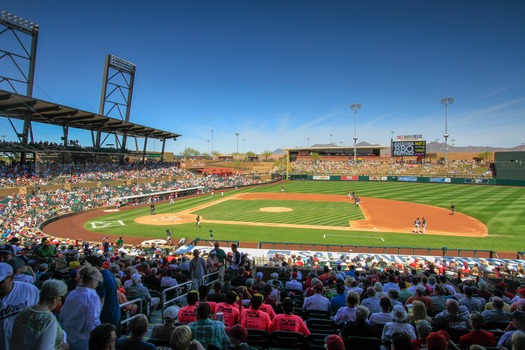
501 208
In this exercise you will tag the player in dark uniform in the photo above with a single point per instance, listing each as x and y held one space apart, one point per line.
152 208
452 208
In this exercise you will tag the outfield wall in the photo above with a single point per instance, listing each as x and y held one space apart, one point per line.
418 179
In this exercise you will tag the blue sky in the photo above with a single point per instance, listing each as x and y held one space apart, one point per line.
283 73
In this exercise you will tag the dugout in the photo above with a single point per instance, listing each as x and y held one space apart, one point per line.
509 165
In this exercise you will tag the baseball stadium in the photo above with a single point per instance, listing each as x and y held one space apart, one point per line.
149 225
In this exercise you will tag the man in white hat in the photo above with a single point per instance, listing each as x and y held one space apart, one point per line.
163 331
14 296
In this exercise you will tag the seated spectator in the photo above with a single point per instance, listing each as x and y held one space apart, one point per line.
420 295
239 280
348 312
206 331
21 271
215 295
401 341
317 301
371 301
238 335
423 329
181 339
36 326
187 314
518 304
518 323
399 316
452 319
419 313
497 314
288 321
339 300
139 327
334 342
471 303
168 279
163 331
137 291
230 309
253 317
437 341
437 298
477 335
360 327
203 295
294 284
103 337
383 317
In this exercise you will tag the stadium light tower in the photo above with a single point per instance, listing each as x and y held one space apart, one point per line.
446 101
237 134
355 107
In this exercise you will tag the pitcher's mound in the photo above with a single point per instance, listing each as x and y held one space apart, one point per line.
276 209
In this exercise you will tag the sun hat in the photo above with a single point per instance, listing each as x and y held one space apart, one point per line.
5 270
135 277
398 313
421 288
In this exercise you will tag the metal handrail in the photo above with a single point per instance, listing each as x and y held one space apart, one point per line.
137 301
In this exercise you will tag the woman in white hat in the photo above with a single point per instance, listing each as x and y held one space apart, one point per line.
399 316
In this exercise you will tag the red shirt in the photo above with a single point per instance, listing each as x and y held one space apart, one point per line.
269 310
232 314
289 323
255 319
477 337
187 314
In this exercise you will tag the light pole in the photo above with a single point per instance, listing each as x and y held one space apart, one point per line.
392 144
307 142
446 101
212 156
355 107
237 134
331 138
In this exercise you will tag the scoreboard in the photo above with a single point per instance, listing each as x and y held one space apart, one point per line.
409 148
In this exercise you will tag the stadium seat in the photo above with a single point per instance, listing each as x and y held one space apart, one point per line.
368 343
316 341
159 342
288 340
307 314
322 325
496 325
257 338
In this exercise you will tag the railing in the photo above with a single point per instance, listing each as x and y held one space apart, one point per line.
166 303
137 301
180 287
344 248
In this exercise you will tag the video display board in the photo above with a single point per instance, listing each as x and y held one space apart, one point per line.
409 148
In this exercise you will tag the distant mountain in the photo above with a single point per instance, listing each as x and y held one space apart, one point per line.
440 147
431 147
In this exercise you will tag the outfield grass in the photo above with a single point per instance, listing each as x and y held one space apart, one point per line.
303 212
501 208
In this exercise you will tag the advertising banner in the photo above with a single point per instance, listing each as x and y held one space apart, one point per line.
477 181
321 177
349 178
439 179
407 178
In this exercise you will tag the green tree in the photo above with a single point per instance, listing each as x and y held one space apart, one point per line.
189 152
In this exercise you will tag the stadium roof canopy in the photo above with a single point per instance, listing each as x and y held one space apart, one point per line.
17 106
